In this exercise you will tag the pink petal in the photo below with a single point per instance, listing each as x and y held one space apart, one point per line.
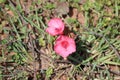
64 46
55 27
51 31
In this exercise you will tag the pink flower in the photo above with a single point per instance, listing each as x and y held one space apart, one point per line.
55 26
64 46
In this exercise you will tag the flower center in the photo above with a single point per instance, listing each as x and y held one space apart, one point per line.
57 29
65 44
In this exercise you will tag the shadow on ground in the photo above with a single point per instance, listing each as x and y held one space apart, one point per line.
81 53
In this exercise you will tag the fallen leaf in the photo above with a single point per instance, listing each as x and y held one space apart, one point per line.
12 53
114 68
81 18
95 19
62 8
26 5
3 36
34 65
74 13
63 77
10 13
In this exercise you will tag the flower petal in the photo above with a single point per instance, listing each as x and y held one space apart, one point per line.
64 46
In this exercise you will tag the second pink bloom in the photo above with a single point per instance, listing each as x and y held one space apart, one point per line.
55 26
64 46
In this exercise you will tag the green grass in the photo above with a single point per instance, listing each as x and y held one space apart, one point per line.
98 45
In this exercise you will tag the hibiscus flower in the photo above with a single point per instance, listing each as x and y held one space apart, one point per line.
64 46
55 27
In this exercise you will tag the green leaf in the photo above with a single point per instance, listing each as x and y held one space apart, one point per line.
49 6
71 20
91 38
49 72
41 41
102 59
2 1
112 63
